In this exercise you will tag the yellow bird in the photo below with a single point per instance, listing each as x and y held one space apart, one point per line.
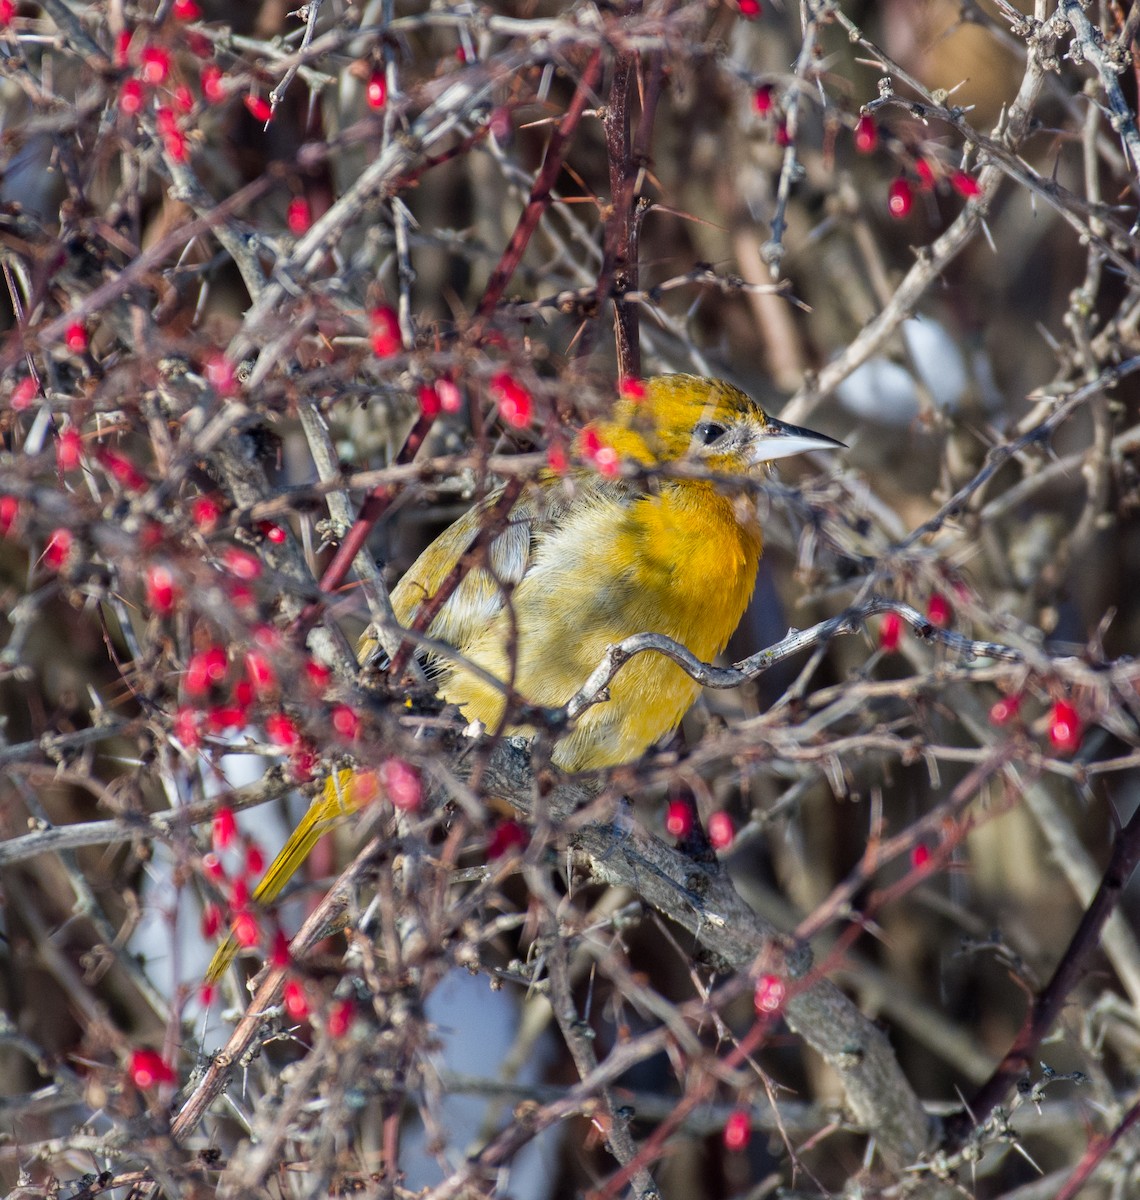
585 560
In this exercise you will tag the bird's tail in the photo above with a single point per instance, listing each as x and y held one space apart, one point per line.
340 797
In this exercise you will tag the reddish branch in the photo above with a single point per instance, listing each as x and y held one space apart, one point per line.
697 1093
1098 1150
373 508
540 194
620 273
619 270
1070 970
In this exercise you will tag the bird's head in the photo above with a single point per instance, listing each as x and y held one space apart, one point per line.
706 421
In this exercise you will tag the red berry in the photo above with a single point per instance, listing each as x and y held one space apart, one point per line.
75 339
450 397
345 721
213 83
23 394
679 819
938 610
401 784
241 564
1065 729
632 388
148 1069
186 10
317 674
246 931
261 675
298 216
782 136
770 994
155 65
224 828
254 860
259 108
283 731
161 589
211 920
430 403
205 513
890 632
68 449
386 339
737 1130
225 716
7 11
296 1004
925 173
516 405
920 857
900 198
186 727
122 470
866 134
376 91
506 836
58 549
340 1018
965 185
9 511
279 952
749 9
220 375
204 669
607 462
176 145
131 96
212 867
304 762
762 100
183 99
556 458
594 450
1004 710
123 48
721 830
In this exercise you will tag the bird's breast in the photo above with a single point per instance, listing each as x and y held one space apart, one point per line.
681 562
696 553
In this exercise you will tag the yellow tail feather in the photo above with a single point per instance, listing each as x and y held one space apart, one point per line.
341 797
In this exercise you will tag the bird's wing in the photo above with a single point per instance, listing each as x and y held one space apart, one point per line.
479 597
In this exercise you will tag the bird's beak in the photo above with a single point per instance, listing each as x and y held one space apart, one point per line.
780 440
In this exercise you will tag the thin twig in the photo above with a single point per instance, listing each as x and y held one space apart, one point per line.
1073 965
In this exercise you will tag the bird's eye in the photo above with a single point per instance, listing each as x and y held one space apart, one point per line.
707 432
